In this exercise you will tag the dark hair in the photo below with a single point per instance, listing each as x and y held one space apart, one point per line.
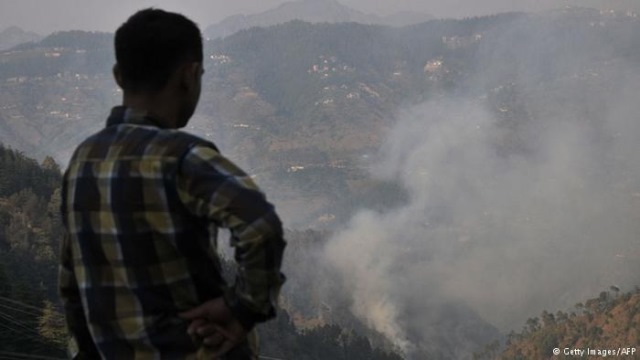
151 45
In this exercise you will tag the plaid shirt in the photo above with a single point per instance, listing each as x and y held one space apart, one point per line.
140 205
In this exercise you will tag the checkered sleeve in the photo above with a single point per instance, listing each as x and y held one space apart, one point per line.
212 187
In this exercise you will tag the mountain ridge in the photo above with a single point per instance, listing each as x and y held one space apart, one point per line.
314 11
13 35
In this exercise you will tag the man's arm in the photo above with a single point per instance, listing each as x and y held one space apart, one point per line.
81 345
212 187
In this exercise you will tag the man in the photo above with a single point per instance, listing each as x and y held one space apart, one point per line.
140 276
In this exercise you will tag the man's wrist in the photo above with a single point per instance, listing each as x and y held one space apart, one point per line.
240 312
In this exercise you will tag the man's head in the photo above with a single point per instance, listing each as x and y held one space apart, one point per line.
156 52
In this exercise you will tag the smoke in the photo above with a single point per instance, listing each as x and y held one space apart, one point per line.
507 216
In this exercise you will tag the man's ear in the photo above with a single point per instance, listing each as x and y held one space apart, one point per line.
191 73
117 75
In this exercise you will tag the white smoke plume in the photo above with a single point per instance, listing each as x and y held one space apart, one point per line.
506 233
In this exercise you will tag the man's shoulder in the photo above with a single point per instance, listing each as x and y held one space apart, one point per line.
189 138
134 140
181 142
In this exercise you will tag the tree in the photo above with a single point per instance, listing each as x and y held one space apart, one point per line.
50 164
52 326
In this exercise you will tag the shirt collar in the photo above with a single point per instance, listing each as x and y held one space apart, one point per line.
125 115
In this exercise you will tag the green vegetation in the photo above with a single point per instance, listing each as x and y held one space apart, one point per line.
19 172
609 321
30 320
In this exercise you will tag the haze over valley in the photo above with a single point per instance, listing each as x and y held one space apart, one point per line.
442 180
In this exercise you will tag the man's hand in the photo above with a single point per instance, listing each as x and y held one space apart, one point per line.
215 324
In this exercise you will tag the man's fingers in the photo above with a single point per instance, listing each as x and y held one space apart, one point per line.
213 323
213 335
226 346
197 312
209 329
213 310
195 325
214 340
231 339
224 332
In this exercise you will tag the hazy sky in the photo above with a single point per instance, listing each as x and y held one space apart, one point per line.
45 16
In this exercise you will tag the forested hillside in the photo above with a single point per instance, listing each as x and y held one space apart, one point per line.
608 325
30 230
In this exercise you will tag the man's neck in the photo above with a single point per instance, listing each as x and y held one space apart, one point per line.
156 105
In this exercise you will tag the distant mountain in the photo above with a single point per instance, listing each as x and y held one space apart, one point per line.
14 35
404 18
314 11
308 104
617 5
